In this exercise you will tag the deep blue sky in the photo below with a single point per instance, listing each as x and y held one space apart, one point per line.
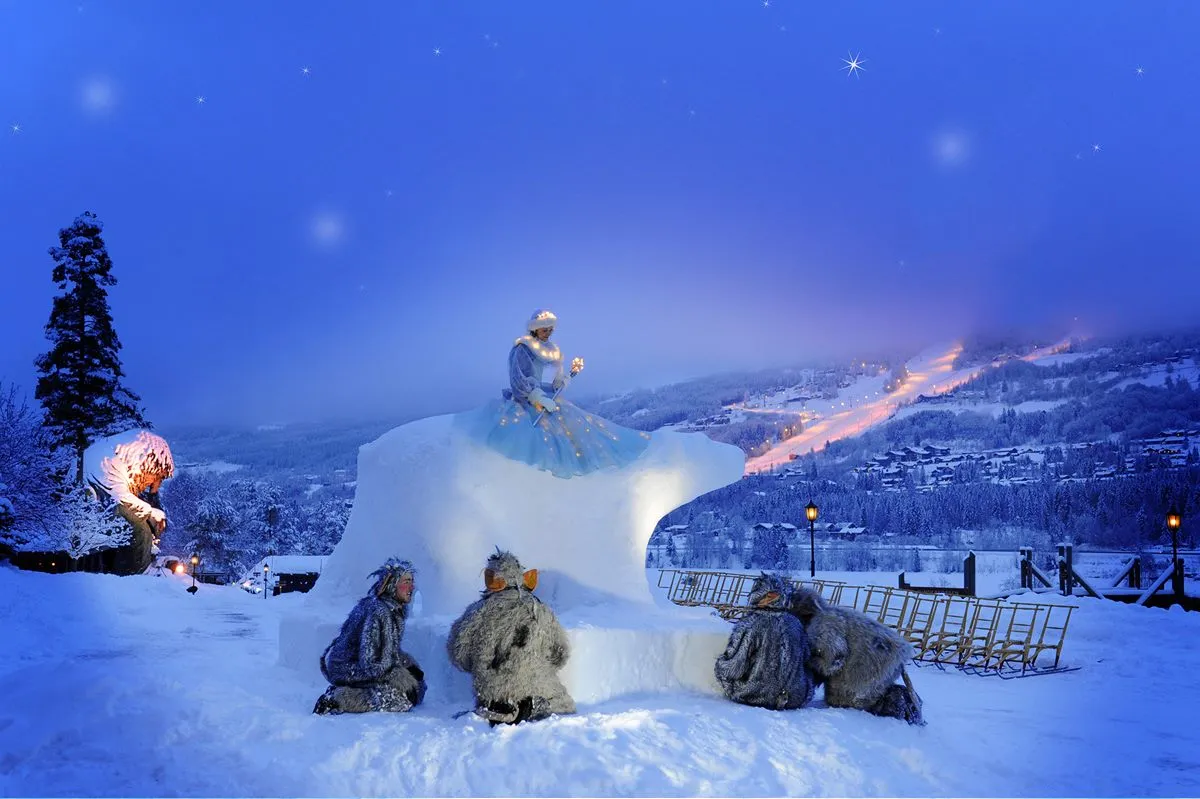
692 185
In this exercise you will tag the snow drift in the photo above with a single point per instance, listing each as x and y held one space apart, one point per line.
427 493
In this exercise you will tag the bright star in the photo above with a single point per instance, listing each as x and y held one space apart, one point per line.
766 3
1139 71
437 51
15 128
201 100
1095 148
305 71
854 64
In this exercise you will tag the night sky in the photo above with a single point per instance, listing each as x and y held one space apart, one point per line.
321 209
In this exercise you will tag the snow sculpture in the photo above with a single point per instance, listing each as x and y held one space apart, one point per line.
129 469
429 492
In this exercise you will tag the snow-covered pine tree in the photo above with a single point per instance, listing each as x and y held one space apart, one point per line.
267 523
80 383
323 527
214 532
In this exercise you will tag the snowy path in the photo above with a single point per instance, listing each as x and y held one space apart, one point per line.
129 686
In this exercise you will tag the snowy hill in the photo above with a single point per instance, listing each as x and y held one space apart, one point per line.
131 687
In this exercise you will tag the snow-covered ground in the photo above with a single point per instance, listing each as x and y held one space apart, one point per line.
1063 357
212 467
129 686
1156 375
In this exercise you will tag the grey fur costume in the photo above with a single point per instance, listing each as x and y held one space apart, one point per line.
512 646
766 661
857 658
365 666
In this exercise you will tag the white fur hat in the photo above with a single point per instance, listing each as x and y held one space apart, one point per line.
541 318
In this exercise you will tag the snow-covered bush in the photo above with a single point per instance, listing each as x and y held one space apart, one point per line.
39 511
7 511
30 507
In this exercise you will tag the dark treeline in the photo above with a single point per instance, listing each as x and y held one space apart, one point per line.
1122 513
233 522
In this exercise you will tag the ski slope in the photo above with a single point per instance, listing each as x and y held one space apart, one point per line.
864 404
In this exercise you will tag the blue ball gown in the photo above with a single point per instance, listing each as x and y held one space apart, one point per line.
568 442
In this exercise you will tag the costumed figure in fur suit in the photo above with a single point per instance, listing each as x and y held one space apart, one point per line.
533 425
366 668
857 658
512 646
766 661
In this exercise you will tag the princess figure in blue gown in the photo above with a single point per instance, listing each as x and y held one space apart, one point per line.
532 425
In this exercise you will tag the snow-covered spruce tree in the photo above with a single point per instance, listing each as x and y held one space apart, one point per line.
80 383
323 526
268 523
214 535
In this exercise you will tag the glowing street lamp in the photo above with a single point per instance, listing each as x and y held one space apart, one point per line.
1173 522
195 563
266 573
810 512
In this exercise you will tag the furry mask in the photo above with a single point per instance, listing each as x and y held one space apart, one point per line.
804 604
505 571
770 591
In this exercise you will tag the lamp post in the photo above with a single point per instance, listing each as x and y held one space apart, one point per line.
195 563
266 573
1173 523
810 512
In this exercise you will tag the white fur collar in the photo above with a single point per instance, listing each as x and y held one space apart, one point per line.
545 351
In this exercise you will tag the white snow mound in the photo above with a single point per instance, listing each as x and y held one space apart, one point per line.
427 493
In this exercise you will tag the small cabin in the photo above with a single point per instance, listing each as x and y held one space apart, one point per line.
285 574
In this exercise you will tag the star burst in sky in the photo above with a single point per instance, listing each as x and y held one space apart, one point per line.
854 64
